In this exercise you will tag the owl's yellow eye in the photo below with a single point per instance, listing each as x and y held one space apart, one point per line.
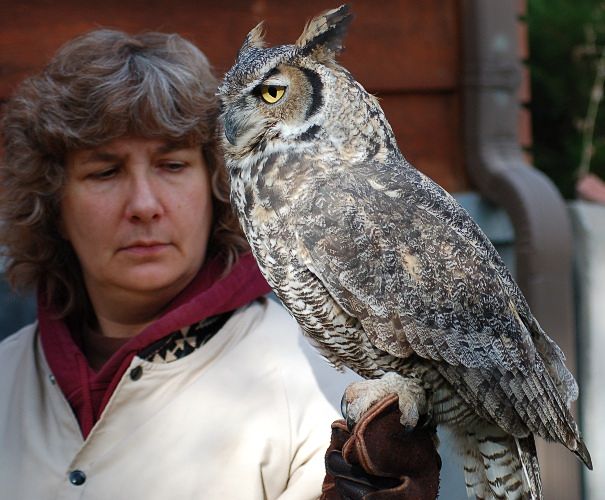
272 93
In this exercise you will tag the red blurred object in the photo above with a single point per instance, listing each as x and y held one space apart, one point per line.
591 188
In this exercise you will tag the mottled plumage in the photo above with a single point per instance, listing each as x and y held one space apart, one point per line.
383 270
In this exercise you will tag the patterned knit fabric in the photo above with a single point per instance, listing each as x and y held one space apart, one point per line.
179 344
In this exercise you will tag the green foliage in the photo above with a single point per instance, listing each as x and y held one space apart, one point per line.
563 36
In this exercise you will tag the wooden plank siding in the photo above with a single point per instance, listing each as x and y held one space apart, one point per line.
406 52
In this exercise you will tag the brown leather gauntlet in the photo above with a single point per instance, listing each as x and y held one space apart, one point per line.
379 460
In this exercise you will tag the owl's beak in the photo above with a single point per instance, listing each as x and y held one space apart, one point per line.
230 128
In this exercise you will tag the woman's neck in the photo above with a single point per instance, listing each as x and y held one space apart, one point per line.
126 318
119 329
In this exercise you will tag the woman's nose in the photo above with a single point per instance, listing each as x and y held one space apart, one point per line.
144 203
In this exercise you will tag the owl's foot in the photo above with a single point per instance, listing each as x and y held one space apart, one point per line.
360 396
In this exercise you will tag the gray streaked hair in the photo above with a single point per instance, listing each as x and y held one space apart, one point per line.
100 86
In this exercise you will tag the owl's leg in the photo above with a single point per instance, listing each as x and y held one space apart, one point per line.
360 396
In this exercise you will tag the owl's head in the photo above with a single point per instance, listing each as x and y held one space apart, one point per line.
283 94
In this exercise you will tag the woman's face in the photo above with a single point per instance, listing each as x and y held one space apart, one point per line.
138 214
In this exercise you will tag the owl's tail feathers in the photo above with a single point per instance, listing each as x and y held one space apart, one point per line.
531 469
556 422
498 466
582 452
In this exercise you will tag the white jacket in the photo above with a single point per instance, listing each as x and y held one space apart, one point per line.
243 417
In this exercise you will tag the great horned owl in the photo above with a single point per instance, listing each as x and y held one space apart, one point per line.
381 267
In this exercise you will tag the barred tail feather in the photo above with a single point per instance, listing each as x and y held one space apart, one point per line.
474 472
526 448
500 466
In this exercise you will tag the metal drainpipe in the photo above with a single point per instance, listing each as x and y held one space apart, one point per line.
497 166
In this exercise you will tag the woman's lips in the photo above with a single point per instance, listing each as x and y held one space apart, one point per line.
145 248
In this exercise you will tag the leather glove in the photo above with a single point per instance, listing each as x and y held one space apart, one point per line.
379 460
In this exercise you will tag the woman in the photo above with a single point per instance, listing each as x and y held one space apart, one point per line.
152 328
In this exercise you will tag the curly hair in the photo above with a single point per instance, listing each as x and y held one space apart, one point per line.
100 86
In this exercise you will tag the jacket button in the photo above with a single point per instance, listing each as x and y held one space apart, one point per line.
136 372
77 477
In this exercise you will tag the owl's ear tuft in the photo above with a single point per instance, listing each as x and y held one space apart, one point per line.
323 36
254 39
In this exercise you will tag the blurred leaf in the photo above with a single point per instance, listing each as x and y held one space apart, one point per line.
562 38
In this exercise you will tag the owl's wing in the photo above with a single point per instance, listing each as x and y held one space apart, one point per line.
397 252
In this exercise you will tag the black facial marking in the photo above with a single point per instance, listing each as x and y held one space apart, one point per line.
317 87
310 133
270 73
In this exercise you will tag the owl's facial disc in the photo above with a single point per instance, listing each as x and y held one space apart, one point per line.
247 117
279 104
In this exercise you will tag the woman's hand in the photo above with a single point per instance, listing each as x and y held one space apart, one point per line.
379 460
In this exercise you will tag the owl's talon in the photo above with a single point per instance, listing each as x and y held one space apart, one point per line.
425 420
344 404
350 423
344 407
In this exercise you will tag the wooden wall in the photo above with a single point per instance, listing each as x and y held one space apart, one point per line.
405 51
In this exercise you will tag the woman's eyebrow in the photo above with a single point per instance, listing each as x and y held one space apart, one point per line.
99 156
170 146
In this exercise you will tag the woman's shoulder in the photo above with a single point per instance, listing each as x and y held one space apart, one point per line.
271 325
17 349
281 344
18 341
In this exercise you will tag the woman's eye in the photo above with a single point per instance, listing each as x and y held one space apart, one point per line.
173 166
272 93
106 173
